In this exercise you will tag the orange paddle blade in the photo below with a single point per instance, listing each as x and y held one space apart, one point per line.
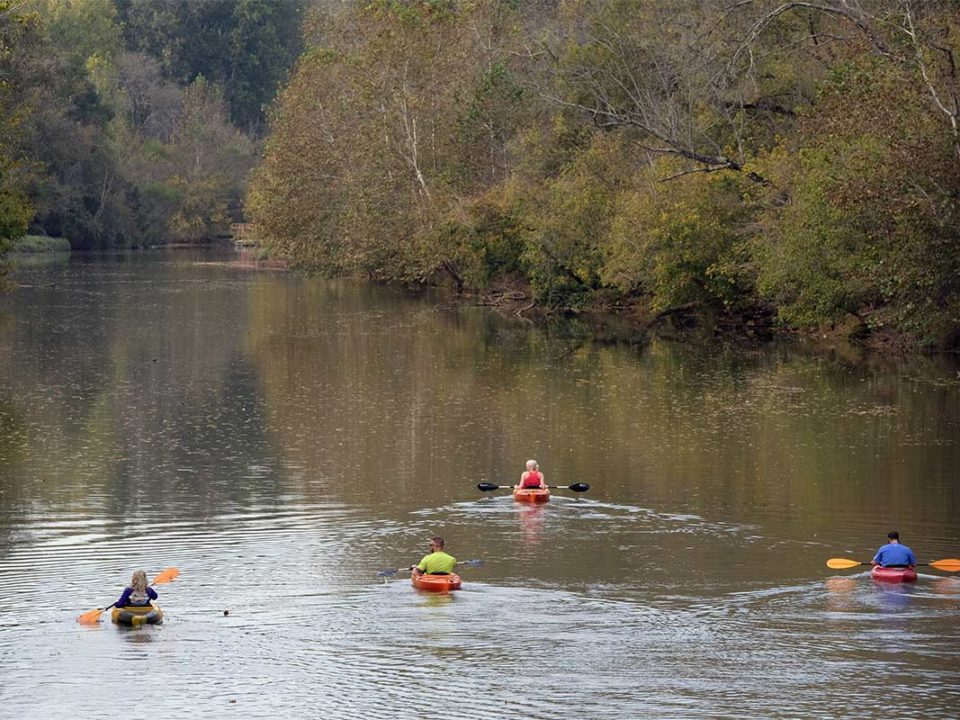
166 576
950 565
91 617
842 563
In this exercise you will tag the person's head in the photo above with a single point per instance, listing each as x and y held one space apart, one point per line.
139 581
532 465
893 536
436 543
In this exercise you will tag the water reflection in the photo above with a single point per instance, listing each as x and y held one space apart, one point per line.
437 599
841 594
139 636
946 586
894 596
840 585
531 522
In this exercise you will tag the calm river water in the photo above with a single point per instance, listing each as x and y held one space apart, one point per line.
282 439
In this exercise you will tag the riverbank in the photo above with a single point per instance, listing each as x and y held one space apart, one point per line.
631 319
30 244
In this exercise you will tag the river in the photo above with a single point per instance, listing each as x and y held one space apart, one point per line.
282 440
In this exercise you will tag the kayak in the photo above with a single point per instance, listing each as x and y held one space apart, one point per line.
893 574
531 495
137 615
436 583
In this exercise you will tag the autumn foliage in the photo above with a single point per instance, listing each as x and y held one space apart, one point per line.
791 161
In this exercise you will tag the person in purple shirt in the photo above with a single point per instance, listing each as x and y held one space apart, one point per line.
139 593
893 554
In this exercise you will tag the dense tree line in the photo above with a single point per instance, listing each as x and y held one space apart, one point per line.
133 122
15 209
761 158
752 159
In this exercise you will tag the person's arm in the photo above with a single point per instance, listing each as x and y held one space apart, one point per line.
151 593
416 569
878 558
543 480
124 597
912 560
523 476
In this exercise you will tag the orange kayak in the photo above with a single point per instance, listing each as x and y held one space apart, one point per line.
436 583
531 495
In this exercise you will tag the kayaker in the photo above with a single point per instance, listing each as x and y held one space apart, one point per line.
894 554
437 562
532 477
139 593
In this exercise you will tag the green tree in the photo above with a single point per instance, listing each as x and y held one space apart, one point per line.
210 160
383 133
19 36
871 226
82 29
245 46
684 243
74 182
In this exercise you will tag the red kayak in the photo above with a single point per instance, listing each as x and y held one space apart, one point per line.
531 495
893 574
436 583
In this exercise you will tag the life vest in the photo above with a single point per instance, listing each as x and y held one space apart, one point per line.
139 597
532 480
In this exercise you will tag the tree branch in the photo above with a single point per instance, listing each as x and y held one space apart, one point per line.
841 11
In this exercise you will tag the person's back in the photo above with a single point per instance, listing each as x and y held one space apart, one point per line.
532 477
894 553
138 594
437 562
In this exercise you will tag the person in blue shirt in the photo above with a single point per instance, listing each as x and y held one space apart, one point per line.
893 554
139 593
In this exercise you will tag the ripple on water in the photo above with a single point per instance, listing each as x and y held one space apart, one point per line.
693 587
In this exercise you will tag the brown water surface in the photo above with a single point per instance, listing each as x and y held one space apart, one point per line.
281 440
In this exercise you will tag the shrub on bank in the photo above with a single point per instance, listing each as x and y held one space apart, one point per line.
41 244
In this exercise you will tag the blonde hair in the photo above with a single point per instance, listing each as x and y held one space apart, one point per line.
139 581
532 465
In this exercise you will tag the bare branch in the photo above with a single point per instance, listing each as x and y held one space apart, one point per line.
692 171
921 64
842 11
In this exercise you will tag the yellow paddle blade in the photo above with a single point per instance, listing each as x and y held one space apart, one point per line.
950 565
842 563
91 617
166 576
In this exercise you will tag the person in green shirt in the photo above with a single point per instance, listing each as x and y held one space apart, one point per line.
437 562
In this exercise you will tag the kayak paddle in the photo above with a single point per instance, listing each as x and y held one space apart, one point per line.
576 487
948 564
390 572
92 617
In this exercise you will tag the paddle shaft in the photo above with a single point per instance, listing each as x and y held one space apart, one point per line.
389 572
576 487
